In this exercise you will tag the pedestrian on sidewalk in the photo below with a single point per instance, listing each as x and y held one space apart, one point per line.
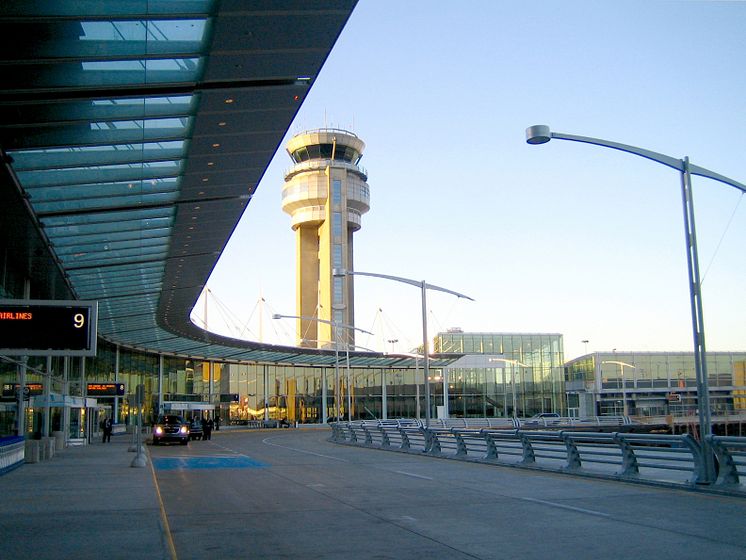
107 427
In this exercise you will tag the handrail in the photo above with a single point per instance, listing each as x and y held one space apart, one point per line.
654 458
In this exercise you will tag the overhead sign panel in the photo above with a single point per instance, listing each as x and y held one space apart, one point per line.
48 327
105 389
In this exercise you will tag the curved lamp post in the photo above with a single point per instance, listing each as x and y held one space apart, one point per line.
622 365
540 134
424 286
336 326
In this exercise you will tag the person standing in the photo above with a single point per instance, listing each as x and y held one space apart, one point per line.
204 428
208 429
108 427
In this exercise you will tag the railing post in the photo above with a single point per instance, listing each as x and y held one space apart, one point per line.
404 439
528 451
573 455
700 466
630 467
460 445
385 441
491 447
368 437
432 444
728 471
335 432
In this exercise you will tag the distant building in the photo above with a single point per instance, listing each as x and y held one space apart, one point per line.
653 383
325 194
502 374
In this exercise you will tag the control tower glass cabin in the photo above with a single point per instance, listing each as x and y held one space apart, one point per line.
326 194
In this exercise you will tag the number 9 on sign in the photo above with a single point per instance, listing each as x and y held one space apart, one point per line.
79 320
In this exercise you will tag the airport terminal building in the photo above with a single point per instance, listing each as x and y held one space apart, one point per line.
133 136
651 384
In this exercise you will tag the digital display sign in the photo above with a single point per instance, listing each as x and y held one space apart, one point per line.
11 389
48 327
105 389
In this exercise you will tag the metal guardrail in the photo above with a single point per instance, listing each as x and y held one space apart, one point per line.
12 453
659 458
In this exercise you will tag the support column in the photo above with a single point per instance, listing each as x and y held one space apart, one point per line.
115 419
160 385
47 393
21 401
65 395
384 396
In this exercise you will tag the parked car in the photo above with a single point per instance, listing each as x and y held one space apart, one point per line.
195 429
171 427
546 415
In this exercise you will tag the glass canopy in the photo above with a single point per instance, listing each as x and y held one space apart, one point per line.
137 131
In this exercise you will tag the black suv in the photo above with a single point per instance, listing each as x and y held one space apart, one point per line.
171 428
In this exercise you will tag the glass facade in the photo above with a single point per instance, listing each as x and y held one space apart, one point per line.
238 393
527 377
655 383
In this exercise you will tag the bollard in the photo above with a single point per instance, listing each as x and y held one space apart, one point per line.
32 451
59 438
50 445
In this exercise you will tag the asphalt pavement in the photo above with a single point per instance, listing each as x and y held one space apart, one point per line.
287 494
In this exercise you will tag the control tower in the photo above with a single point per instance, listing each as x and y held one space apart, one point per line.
326 194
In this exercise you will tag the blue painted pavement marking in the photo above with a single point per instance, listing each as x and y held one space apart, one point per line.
188 463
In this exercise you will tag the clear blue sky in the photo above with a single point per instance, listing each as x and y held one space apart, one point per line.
565 237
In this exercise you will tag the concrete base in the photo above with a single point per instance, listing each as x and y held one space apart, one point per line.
139 461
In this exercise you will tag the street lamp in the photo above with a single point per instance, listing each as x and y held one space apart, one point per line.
540 134
512 377
336 326
622 365
424 286
586 345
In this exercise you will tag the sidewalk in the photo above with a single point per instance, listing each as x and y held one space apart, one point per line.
86 502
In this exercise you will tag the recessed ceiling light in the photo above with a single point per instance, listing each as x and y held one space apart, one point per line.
205 179
210 163
216 145
222 123
229 100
